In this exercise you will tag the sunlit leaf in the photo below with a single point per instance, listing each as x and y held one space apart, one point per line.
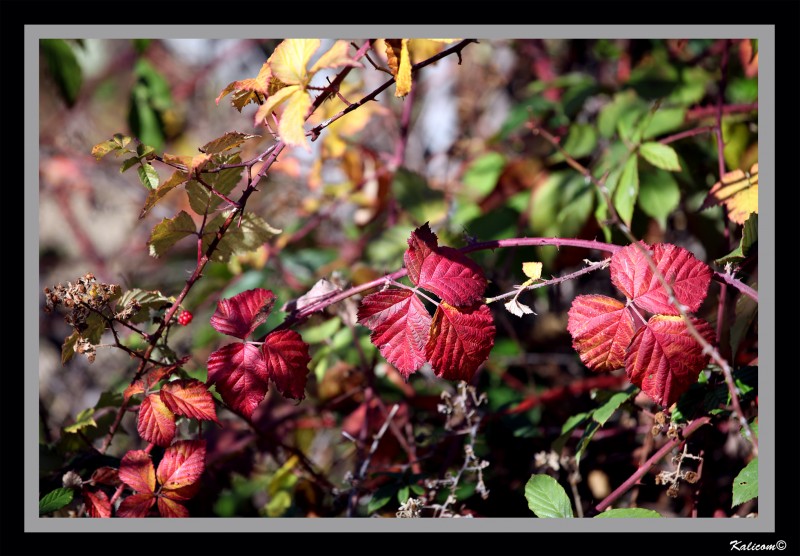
601 329
460 340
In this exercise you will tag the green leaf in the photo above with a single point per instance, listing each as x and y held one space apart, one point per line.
147 299
660 156
402 494
607 409
749 239
169 231
754 48
625 102
253 232
68 347
155 195
321 332
64 67
664 121
200 198
627 190
581 141
82 421
547 498
141 44
128 163
143 119
745 485
415 197
228 141
55 500
583 443
481 176
148 175
569 425
158 92
659 195
381 497
115 144
742 90
629 513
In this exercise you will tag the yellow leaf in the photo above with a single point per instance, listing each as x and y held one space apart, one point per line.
274 101
403 77
294 115
336 57
532 270
249 87
289 61
738 191
422 49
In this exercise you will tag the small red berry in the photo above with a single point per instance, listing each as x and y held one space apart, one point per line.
184 318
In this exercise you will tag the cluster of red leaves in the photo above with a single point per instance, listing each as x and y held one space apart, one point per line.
461 333
178 473
659 355
241 371
159 410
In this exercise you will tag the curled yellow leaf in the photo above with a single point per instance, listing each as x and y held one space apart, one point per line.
275 100
289 60
294 115
532 270
336 57
403 77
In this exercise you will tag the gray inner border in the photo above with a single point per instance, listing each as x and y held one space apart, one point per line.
765 522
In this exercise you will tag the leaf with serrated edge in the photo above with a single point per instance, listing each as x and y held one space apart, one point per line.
400 324
55 500
247 88
460 340
239 315
152 377
169 231
738 191
745 485
290 59
182 465
601 329
240 375
136 470
688 277
444 271
290 127
625 513
171 508
97 503
156 422
546 498
516 308
155 195
136 505
664 359
286 356
148 176
190 398
660 156
230 140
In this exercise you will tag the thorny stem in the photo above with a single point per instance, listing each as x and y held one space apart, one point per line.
688 133
375 441
590 268
655 458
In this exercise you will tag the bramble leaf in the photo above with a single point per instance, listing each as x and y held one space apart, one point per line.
252 234
171 508
151 378
229 140
55 500
169 231
443 270
148 176
156 422
136 505
182 465
189 397
136 471
547 498
745 485
155 195
460 340
688 276
738 191
248 90
290 58
625 513
664 359
601 329
660 156
627 190
239 372
97 503
286 356
400 325
241 314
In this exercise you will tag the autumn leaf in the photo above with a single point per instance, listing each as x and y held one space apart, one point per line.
240 375
664 359
443 270
399 323
738 191
97 503
156 422
289 66
400 53
136 505
248 90
460 340
689 278
286 356
155 195
601 329
182 465
241 314
190 398
136 471
151 378
171 508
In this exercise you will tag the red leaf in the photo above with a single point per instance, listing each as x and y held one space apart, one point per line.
97 503
664 359
182 494
400 325
190 398
460 340
688 277
170 508
286 356
136 471
601 329
136 505
443 270
241 314
106 476
156 422
151 378
240 374
182 464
